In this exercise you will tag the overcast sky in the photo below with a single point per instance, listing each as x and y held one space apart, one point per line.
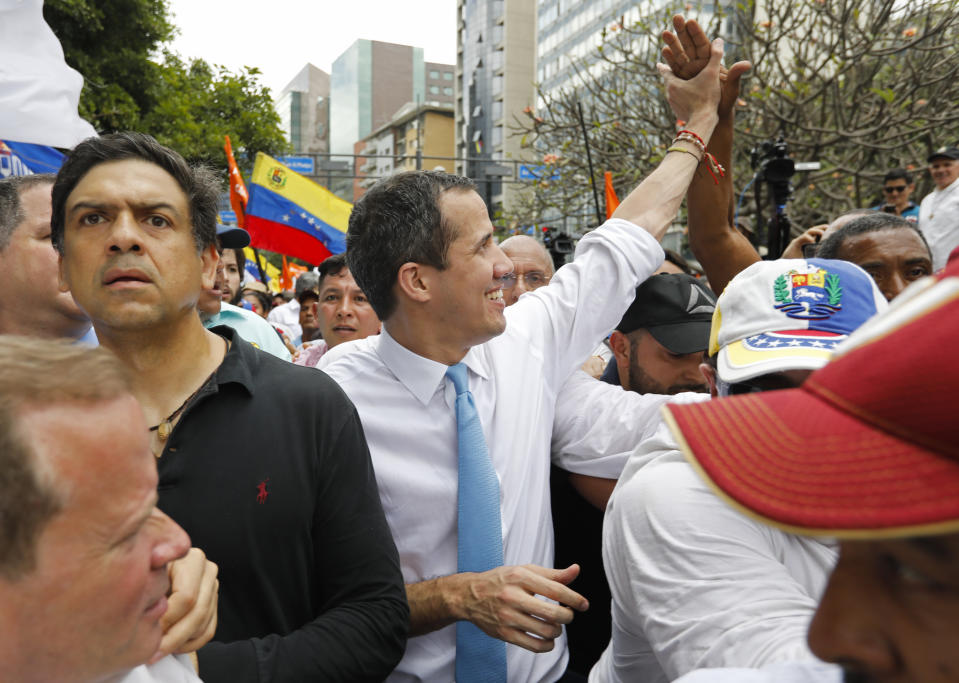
280 36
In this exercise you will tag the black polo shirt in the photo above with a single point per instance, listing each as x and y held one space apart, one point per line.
269 472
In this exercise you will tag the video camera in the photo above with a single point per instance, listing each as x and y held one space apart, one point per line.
558 245
774 167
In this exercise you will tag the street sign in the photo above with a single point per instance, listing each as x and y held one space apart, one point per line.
302 165
535 173
228 217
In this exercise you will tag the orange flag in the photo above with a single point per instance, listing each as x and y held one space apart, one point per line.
611 200
286 279
238 193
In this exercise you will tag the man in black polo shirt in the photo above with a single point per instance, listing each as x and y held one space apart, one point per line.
262 462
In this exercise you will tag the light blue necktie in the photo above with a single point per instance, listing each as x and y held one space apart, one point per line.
479 657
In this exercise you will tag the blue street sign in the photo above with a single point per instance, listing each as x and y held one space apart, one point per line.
535 173
228 217
302 165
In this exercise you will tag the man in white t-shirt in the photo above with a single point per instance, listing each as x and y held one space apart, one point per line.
694 582
865 451
939 210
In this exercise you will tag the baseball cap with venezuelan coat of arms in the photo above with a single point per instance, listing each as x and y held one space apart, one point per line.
789 314
866 448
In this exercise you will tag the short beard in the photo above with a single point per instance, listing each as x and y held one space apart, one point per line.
642 383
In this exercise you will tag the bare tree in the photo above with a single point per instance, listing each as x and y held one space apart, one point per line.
861 86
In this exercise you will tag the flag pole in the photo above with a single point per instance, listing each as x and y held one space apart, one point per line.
589 161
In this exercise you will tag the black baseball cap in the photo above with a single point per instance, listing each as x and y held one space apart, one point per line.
947 152
232 237
677 309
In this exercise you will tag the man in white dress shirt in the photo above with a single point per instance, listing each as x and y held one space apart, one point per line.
939 210
421 246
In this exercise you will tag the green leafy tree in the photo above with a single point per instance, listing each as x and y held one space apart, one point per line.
861 86
133 83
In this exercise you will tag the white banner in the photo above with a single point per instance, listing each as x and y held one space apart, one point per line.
39 93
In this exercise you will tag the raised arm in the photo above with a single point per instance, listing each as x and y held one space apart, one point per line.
721 249
654 203
587 297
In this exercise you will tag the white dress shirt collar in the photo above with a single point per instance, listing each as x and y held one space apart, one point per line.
420 375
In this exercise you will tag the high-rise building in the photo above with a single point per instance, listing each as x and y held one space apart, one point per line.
303 106
569 31
495 70
372 80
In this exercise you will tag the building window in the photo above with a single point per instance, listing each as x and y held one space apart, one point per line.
448 91
497 85
447 75
497 136
434 90
435 75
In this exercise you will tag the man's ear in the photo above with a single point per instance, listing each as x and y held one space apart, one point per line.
710 374
619 344
209 259
414 282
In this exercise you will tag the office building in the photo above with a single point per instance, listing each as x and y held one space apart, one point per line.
495 70
303 106
372 80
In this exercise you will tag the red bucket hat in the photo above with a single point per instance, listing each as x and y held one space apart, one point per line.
867 447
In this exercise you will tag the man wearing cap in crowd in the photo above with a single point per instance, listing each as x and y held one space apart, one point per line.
876 441
694 583
939 210
215 311
659 343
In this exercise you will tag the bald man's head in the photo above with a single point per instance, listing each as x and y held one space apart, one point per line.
532 266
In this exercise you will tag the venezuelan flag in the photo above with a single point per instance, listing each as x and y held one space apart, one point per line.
292 215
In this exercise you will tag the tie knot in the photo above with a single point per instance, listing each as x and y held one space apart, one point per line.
457 373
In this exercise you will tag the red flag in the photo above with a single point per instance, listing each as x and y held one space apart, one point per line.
238 193
611 200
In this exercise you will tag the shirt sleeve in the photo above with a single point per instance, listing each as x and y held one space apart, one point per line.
586 298
360 633
598 425
705 585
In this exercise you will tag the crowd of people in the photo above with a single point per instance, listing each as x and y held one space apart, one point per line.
443 459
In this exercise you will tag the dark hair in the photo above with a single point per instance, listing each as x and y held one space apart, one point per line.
200 184
678 261
334 265
56 372
874 221
897 174
266 300
11 208
399 221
